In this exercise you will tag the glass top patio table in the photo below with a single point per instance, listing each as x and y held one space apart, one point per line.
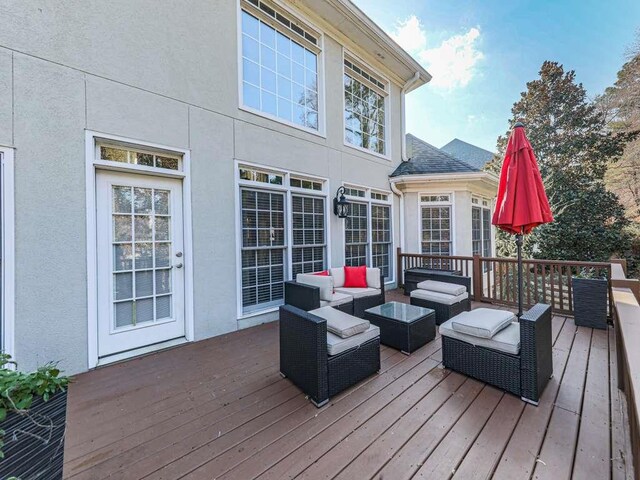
401 312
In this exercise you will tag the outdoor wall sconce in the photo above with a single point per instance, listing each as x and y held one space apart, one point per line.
340 205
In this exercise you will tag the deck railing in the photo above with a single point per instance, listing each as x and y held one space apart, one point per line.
626 296
494 280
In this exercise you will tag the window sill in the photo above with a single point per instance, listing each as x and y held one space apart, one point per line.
281 121
257 313
367 151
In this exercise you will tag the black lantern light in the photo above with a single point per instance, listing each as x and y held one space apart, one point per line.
340 205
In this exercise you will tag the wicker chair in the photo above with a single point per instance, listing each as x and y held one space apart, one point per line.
445 312
525 374
305 361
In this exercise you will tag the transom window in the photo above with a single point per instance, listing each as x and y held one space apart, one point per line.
436 224
139 157
355 192
260 176
279 66
364 108
306 184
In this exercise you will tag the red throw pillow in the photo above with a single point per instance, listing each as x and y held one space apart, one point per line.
324 273
355 277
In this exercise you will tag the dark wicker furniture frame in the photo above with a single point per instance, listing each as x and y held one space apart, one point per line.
526 374
404 336
443 312
304 359
307 297
413 276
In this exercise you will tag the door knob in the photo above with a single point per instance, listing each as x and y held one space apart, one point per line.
179 265
179 254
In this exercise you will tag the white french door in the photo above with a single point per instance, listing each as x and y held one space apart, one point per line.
140 240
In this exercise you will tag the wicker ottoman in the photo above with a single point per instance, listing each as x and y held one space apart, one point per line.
443 309
404 327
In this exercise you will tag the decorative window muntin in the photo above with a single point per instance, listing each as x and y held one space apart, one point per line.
365 97
279 66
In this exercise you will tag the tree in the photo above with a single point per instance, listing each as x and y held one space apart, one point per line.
574 149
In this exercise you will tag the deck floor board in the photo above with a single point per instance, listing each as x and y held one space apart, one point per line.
219 409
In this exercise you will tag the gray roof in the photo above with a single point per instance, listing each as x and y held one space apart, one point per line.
426 159
474 156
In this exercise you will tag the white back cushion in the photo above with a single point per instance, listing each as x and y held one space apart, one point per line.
482 322
338 276
324 282
373 277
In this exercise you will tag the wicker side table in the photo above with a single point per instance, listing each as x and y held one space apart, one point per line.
402 326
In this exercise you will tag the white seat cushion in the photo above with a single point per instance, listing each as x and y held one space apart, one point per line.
442 287
323 282
338 276
340 323
439 297
336 299
373 277
336 345
359 292
507 340
482 322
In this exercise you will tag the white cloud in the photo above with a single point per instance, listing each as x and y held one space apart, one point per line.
452 63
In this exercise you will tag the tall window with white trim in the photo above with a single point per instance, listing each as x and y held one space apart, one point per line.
356 235
381 237
436 224
279 64
263 248
365 95
309 243
282 231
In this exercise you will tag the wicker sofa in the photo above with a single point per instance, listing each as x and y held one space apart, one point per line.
309 293
305 357
525 373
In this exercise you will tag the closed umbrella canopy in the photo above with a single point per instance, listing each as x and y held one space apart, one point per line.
522 203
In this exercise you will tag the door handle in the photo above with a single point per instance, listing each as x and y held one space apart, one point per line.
178 265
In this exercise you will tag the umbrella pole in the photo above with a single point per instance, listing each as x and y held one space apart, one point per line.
519 245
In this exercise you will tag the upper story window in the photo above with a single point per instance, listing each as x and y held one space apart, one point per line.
365 97
279 65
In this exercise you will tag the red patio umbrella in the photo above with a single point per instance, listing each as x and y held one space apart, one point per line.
522 203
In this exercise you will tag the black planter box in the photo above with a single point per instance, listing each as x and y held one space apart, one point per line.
34 441
590 302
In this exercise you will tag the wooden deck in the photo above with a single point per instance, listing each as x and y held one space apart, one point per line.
219 409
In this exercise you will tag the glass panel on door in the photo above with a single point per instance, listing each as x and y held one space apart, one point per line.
142 246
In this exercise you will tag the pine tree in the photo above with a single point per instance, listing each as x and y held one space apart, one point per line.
574 149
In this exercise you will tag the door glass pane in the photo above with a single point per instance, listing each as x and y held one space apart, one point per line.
142 273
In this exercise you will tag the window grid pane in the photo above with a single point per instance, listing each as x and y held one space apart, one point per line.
309 240
486 236
436 230
476 231
263 248
280 76
356 235
364 116
381 238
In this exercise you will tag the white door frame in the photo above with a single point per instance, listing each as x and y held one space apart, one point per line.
7 217
92 164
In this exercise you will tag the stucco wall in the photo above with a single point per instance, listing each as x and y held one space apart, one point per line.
156 72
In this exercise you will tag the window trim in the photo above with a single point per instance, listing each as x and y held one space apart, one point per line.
7 226
452 221
288 192
387 109
370 201
322 130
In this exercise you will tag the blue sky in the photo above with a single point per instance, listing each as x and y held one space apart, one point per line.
482 53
